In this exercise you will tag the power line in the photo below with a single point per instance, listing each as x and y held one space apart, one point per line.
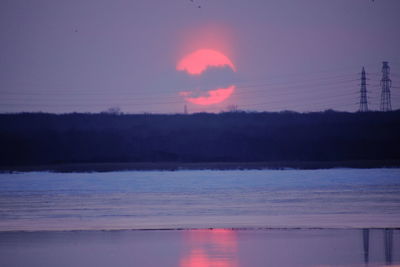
270 89
300 88
66 91
245 93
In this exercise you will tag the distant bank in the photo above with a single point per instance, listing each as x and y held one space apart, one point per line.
236 140
176 166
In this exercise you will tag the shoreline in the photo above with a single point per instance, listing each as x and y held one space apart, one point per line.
175 166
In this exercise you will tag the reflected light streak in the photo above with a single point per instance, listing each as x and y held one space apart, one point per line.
210 248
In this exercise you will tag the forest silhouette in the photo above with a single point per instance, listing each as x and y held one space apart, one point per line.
41 138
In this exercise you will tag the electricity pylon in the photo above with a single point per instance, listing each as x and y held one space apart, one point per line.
386 83
363 92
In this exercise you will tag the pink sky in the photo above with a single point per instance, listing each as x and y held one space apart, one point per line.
88 56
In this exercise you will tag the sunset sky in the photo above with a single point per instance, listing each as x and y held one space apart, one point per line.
91 55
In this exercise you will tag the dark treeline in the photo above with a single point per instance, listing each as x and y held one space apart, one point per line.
40 138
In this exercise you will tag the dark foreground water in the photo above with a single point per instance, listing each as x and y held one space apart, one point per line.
202 248
335 198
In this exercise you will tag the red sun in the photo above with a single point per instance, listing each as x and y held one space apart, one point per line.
195 64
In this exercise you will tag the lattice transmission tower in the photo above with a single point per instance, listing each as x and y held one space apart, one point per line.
363 92
386 83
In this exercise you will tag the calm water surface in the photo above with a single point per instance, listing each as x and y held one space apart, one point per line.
280 211
338 198
202 248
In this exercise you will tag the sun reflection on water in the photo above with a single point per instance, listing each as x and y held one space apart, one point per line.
210 248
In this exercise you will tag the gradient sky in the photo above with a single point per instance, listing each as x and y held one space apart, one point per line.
91 55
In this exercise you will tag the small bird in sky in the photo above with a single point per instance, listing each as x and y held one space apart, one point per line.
198 6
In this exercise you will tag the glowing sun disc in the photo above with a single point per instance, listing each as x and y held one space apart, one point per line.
197 62
213 96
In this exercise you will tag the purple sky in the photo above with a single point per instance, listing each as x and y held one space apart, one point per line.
90 55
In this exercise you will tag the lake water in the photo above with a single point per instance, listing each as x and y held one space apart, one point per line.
202 248
333 198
